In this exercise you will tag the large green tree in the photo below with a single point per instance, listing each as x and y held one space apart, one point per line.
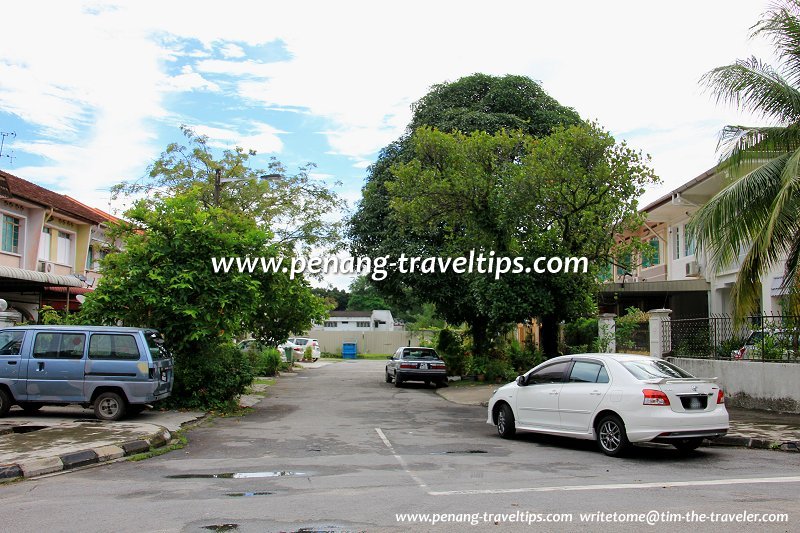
565 194
759 211
474 103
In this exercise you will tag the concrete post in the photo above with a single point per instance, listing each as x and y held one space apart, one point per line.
607 332
660 340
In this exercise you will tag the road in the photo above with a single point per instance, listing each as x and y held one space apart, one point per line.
337 449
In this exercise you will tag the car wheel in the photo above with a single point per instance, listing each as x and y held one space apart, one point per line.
5 402
505 422
388 377
109 406
398 380
30 408
687 445
611 436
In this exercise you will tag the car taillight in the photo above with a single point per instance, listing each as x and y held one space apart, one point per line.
739 353
408 365
720 396
654 397
438 367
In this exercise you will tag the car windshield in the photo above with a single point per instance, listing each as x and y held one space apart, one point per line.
420 354
654 370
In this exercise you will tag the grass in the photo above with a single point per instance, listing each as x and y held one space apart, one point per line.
182 441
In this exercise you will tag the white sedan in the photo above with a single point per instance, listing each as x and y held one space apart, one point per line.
615 399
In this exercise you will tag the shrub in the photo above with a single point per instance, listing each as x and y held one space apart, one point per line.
213 379
308 354
582 331
265 362
499 369
523 358
448 345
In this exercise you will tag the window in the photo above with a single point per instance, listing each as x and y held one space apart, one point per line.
10 234
420 353
677 248
331 324
585 372
688 243
604 272
654 370
59 345
116 347
44 245
625 266
651 257
64 248
155 342
362 324
549 374
11 342
90 258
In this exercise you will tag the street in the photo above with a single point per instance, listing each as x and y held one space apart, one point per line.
337 449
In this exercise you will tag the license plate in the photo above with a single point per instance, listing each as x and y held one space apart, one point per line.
695 403
423 366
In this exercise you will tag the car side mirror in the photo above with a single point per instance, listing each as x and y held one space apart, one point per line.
521 380
390 357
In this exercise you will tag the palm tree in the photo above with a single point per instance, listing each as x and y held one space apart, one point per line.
759 211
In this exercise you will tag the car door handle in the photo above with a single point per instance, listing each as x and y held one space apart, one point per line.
11 362
39 367
553 392
595 393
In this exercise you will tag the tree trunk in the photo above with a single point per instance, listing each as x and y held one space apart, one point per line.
549 335
480 339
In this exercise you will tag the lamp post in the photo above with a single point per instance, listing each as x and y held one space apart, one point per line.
219 180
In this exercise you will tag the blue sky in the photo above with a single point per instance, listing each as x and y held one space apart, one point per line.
95 90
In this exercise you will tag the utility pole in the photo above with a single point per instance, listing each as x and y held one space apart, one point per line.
217 185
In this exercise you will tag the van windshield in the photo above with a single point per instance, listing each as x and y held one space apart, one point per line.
155 342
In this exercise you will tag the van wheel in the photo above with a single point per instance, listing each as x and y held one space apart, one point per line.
109 406
5 402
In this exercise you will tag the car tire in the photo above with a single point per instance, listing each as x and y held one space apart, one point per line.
109 406
388 377
398 380
31 408
5 402
611 436
688 445
505 422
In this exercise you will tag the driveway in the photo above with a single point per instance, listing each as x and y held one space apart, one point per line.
337 449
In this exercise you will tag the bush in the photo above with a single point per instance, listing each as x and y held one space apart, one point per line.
523 358
582 331
213 379
265 362
448 345
499 369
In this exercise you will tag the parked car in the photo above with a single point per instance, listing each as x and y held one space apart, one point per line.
116 370
615 399
416 364
299 345
250 344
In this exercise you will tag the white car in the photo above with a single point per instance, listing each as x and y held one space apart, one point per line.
615 399
299 345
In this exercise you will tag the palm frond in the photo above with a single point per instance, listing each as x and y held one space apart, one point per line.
781 26
733 219
739 144
757 87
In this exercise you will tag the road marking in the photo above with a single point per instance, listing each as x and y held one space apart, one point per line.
400 460
625 486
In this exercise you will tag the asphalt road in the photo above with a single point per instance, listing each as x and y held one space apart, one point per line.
337 449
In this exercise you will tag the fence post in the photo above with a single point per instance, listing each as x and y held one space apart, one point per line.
657 333
607 333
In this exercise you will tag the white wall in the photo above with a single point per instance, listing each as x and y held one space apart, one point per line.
751 384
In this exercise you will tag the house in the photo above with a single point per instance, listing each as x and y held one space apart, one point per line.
676 275
376 320
46 244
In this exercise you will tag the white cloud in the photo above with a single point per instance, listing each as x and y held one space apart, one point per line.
262 138
231 51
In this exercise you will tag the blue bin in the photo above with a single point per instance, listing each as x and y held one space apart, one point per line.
349 350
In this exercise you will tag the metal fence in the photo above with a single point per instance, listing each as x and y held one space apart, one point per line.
771 338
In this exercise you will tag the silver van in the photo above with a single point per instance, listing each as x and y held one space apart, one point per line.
116 370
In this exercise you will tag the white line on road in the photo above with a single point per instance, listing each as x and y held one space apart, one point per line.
400 460
624 486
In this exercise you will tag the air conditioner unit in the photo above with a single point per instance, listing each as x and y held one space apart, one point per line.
48 267
692 269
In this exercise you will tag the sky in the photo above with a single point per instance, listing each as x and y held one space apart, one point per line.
92 92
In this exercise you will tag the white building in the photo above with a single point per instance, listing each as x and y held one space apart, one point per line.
377 320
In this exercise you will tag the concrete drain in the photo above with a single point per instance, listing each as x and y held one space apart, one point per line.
238 475
458 452
26 429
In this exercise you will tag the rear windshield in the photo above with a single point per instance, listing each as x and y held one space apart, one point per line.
301 342
420 354
654 370
155 342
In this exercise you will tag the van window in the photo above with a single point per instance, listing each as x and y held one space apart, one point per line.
59 345
155 343
117 347
11 342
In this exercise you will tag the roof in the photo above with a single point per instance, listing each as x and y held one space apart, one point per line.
107 216
38 278
688 185
16 187
351 314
